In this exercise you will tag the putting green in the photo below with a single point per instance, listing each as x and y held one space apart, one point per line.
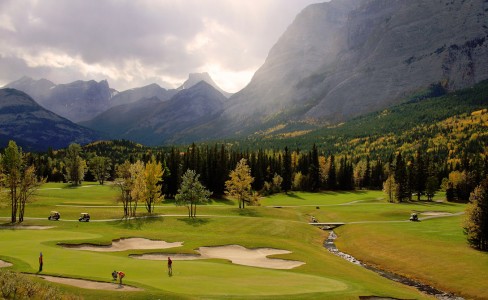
215 276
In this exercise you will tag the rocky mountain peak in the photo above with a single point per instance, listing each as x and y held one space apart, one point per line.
194 78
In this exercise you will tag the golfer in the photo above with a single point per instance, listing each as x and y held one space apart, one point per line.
170 267
40 262
121 275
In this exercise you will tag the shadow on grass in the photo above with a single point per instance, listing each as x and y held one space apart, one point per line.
432 203
245 212
194 221
293 195
138 223
222 201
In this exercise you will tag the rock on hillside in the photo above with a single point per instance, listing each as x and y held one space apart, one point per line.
35 128
344 58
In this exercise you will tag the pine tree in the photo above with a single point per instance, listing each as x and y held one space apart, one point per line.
476 219
401 179
287 172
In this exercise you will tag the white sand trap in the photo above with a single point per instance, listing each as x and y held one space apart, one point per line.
4 264
435 213
250 257
236 254
127 244
30 227
92 285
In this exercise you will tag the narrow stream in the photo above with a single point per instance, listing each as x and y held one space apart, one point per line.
427 289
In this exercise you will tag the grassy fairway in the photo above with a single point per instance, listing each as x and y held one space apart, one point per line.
323 275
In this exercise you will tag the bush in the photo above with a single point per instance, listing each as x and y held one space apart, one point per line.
18 286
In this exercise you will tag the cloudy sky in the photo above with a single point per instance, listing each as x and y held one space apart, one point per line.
133 43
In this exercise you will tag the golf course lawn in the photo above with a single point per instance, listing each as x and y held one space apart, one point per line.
281 222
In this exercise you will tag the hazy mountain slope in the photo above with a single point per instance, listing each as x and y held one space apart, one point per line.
136 94
344 58
76 101
153 122
35 128
34 88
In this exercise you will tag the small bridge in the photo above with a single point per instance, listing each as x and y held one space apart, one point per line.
326 225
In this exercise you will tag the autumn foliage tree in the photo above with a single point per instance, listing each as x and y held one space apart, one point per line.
153 175
239 184
20 180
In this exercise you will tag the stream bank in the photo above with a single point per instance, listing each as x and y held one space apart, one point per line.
427 289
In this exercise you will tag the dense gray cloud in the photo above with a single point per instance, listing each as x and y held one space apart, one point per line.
133 43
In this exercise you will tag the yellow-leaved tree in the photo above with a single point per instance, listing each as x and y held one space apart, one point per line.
239 184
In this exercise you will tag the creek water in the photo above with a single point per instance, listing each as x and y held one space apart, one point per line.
427 289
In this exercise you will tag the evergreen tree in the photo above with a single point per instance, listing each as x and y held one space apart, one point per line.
332 178
314 169
419 175
287 172
191 193
476 219
402 193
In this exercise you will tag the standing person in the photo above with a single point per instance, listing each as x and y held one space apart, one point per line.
170 267
40 262
121 275
114 275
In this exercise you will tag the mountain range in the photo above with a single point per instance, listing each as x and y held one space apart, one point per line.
337 60
35 128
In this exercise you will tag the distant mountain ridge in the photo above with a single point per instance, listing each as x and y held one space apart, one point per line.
154 122
35 128
83 100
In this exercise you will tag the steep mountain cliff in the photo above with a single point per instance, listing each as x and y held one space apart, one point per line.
344 58
35 128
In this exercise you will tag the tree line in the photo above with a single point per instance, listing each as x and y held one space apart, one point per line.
191 175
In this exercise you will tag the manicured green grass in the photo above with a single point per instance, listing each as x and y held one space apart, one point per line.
433 251
218 223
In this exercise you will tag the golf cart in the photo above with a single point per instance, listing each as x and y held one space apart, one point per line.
54 216
414 217
84 217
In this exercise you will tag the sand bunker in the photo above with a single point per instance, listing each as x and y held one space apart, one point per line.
435 213
31 227
4 264
126 244
92 285
236 254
